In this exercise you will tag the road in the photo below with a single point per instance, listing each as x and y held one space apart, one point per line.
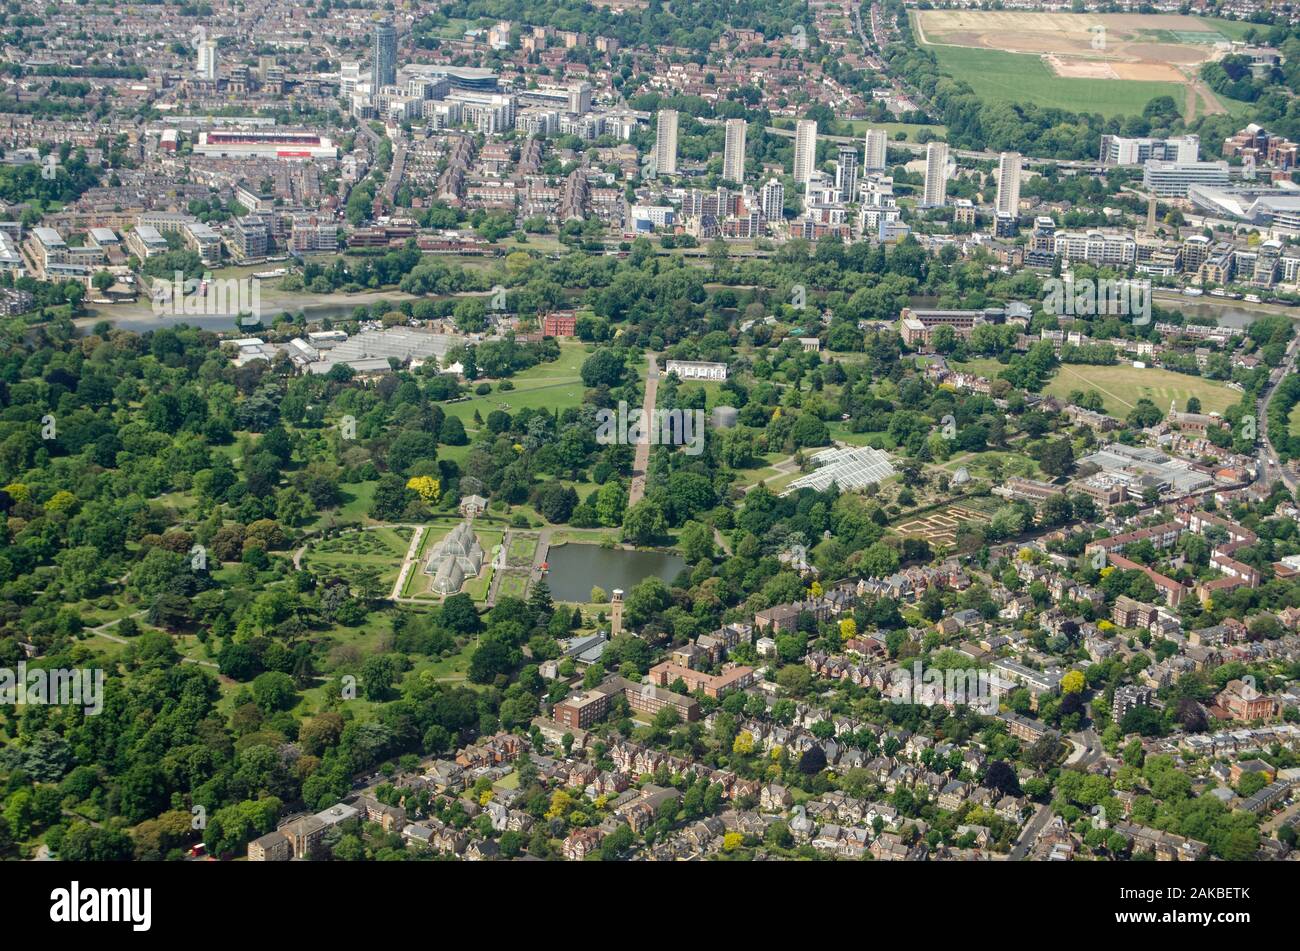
1268 471
502 559
1029 834
641 462
1085 740
395 173
1285 817
1089 742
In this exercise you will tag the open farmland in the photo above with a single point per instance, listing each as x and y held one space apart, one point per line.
1108 63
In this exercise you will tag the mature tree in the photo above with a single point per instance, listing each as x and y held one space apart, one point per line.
644 523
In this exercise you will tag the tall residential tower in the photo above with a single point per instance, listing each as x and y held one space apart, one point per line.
772 200
666 142
936 175
384 71
1009 184
805 151
876 141
846 173
733 155
207 68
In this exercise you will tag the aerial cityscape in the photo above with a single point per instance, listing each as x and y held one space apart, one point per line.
650 430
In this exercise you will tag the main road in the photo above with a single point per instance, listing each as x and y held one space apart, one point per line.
1269 469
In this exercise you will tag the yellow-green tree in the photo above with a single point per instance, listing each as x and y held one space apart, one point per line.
61 501
426 487
1072 682
561 805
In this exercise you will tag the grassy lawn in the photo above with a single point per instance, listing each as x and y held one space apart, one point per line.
840 432
712 394
416 580
92 615
1232 29
986 367
997 76
477 588
768 468
451 668
357 498
1294 420
1123 385
546 386
584 536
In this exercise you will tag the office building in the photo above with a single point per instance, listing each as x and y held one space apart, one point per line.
1119 150
200 238
733 155
917 327
666 142
805 151
582 711
499 35
1173 179
144 241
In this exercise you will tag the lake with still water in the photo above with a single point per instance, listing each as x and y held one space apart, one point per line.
574 569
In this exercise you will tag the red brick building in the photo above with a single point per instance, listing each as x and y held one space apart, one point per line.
559 324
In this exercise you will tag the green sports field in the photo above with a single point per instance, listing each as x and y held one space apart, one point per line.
1123 385
997 76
